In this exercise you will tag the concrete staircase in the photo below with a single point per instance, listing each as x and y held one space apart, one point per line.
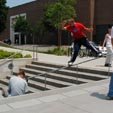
60 78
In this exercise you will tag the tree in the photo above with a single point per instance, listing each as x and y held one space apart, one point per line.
39 30
3 14
21 25
57 12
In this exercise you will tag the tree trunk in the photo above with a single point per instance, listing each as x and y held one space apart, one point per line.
59 38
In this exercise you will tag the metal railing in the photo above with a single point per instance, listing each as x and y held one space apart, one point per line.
64 67
11 58
35 52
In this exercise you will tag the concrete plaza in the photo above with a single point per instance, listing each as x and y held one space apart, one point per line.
87 98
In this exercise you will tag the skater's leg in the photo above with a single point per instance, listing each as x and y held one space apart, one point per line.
86 43
75 53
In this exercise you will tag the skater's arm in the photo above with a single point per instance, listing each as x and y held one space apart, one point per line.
88 29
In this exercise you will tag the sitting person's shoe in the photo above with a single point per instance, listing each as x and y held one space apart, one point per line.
70 63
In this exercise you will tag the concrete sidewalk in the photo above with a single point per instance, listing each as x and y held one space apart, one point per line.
88 98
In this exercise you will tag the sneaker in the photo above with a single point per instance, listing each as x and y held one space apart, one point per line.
70 63
99 54
109 98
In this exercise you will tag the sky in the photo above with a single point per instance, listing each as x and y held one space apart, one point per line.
12 3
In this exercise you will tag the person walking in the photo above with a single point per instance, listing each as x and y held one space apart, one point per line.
110 91
77 31
108 43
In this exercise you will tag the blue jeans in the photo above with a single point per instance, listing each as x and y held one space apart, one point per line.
77 45
110 92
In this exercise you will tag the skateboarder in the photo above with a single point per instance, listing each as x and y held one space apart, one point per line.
77 31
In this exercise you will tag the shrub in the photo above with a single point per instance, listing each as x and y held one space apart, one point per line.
6 54
58 51
18 55
27 56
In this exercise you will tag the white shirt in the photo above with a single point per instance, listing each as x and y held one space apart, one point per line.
108 40
112 32
17 86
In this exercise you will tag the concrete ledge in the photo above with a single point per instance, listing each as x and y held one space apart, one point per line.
81 89
18 63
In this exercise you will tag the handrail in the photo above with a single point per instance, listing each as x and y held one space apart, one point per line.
35 52
54 70
63 67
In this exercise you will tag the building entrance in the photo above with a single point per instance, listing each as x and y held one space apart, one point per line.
19 39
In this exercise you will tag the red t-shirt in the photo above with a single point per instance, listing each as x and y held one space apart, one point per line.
77 31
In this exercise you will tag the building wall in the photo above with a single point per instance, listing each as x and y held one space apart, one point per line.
34 12
83 11
103 17
103 12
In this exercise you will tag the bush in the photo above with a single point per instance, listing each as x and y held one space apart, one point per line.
18 55
6 54
58 51
27 56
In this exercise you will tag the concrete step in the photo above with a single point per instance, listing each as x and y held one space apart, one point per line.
42 84
41 79
84 75
59 77
3 86
69 79
49 81
34 90
4 82
47 64
82 69
32 85
74 73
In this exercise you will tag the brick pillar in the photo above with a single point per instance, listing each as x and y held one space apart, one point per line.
92 13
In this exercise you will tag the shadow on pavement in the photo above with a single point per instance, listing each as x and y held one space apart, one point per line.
99 95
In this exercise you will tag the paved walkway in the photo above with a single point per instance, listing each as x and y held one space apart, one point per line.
88 98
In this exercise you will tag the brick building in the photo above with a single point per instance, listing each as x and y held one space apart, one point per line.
93 13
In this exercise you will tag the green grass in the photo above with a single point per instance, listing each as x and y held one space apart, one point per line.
58 51
6 54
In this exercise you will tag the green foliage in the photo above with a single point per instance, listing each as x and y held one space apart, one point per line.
58 51
3 14
39 29
27 56
18 55
68 2
61 10
22 25
6 54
